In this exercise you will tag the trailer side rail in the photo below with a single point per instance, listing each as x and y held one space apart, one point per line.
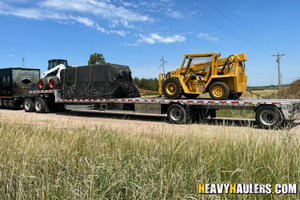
290 107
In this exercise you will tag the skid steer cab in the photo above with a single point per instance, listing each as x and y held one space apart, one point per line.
51 78
223 78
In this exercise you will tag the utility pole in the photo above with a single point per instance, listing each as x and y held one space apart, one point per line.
163 64
23 62
279 75
162 76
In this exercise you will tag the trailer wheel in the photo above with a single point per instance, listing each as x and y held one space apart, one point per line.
28 105
53 83
176 114
39 105
219 91
172 88
269 117
43 84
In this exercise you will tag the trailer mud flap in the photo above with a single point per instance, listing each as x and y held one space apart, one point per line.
49 106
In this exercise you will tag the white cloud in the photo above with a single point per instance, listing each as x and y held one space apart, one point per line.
155 38
84 20
89 23
36 13
90 13
128 44
101 29
175 14
122 33
102 9
205 36
64 11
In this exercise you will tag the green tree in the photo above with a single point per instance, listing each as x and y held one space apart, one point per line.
96 58
147 83
144 83
136 80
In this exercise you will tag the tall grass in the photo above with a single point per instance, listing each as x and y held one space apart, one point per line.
46 162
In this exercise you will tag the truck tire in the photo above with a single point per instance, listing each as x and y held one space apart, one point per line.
28 105
219 91
39 105
53 83
43 84
172 88
269 117
177 114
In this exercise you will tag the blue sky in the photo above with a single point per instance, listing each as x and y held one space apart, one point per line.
138 33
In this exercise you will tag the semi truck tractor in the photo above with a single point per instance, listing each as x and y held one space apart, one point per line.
15 84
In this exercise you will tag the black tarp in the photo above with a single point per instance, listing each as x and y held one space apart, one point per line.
98 81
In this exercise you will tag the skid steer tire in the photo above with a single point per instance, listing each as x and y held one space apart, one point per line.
53 83
172 88
219 91
43 84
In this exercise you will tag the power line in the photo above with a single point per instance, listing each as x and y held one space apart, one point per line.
294 58
255 37
220 25
262 39
214 21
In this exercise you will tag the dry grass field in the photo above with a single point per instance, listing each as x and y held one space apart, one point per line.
73 157
83 159
262 93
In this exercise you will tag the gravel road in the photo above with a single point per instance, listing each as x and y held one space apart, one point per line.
132 122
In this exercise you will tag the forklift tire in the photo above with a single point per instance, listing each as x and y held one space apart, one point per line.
28 105
172 88
43 84
53 83
219 91
39 105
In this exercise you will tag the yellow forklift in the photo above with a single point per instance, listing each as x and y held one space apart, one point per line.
223 78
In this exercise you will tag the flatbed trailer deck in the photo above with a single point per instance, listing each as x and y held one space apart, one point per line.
270 113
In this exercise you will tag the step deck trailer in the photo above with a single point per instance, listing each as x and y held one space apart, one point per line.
270 113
